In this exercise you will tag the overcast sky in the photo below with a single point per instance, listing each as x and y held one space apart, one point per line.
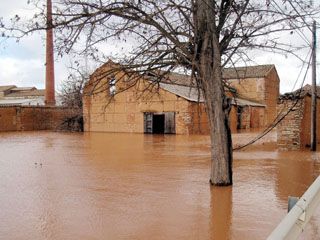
23 64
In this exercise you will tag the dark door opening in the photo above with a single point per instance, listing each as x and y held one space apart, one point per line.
239 117
158 123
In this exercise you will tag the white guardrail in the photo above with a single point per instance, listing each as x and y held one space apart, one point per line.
297 218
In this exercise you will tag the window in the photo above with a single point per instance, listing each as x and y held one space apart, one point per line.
112 86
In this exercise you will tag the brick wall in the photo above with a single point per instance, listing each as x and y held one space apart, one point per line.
26 118
249 88
271 96
124 112
306 122
198 119
262 90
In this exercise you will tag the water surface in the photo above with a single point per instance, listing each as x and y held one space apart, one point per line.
135 186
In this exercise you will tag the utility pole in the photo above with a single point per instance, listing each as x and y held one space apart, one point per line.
49 92
314 93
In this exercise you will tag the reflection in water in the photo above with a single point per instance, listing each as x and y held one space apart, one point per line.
134 186
221 212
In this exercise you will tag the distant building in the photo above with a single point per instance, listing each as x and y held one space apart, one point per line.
173 106
22 96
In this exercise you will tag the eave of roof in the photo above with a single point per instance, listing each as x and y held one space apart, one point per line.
32 93
193 94
7 87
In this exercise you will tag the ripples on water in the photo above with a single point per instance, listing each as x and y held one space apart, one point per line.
134 186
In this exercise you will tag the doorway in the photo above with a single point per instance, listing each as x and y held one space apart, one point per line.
159 123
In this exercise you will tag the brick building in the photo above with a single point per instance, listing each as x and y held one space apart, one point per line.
293 132
114 104
259 84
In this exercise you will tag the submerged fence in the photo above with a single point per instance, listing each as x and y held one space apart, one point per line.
296 220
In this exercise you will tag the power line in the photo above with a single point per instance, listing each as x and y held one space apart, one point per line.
297 29
300 15
278 118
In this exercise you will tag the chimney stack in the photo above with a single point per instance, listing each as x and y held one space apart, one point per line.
50 92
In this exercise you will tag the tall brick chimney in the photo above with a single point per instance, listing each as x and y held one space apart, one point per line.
50 93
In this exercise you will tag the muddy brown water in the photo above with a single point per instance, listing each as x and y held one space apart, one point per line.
135 186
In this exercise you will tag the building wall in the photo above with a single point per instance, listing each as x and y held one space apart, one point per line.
306 122
18 118
124 112
271 96
294 130
262 90
198 123
249 88
288 130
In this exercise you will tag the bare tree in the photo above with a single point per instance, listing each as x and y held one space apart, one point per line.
199 37
70 96
72 89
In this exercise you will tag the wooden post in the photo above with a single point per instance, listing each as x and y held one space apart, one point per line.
314 93
50 92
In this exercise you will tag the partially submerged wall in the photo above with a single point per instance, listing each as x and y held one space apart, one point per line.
306 122
293 132
124 111
288 130
27 118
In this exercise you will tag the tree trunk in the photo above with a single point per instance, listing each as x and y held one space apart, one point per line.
217 105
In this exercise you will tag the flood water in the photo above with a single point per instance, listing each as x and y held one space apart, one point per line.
135 186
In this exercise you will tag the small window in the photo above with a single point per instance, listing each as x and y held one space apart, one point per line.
112 86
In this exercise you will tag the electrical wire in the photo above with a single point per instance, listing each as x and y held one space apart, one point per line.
278 118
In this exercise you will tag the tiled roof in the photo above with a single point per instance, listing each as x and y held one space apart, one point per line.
190 93
24 96
37 92
23 89
300 93
258 71
194 94
12 95
5 88
245 102
14 91
182 85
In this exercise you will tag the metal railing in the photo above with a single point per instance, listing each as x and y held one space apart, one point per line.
297 218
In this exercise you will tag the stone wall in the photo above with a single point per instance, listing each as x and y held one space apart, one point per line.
293 132
288 130
27 118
